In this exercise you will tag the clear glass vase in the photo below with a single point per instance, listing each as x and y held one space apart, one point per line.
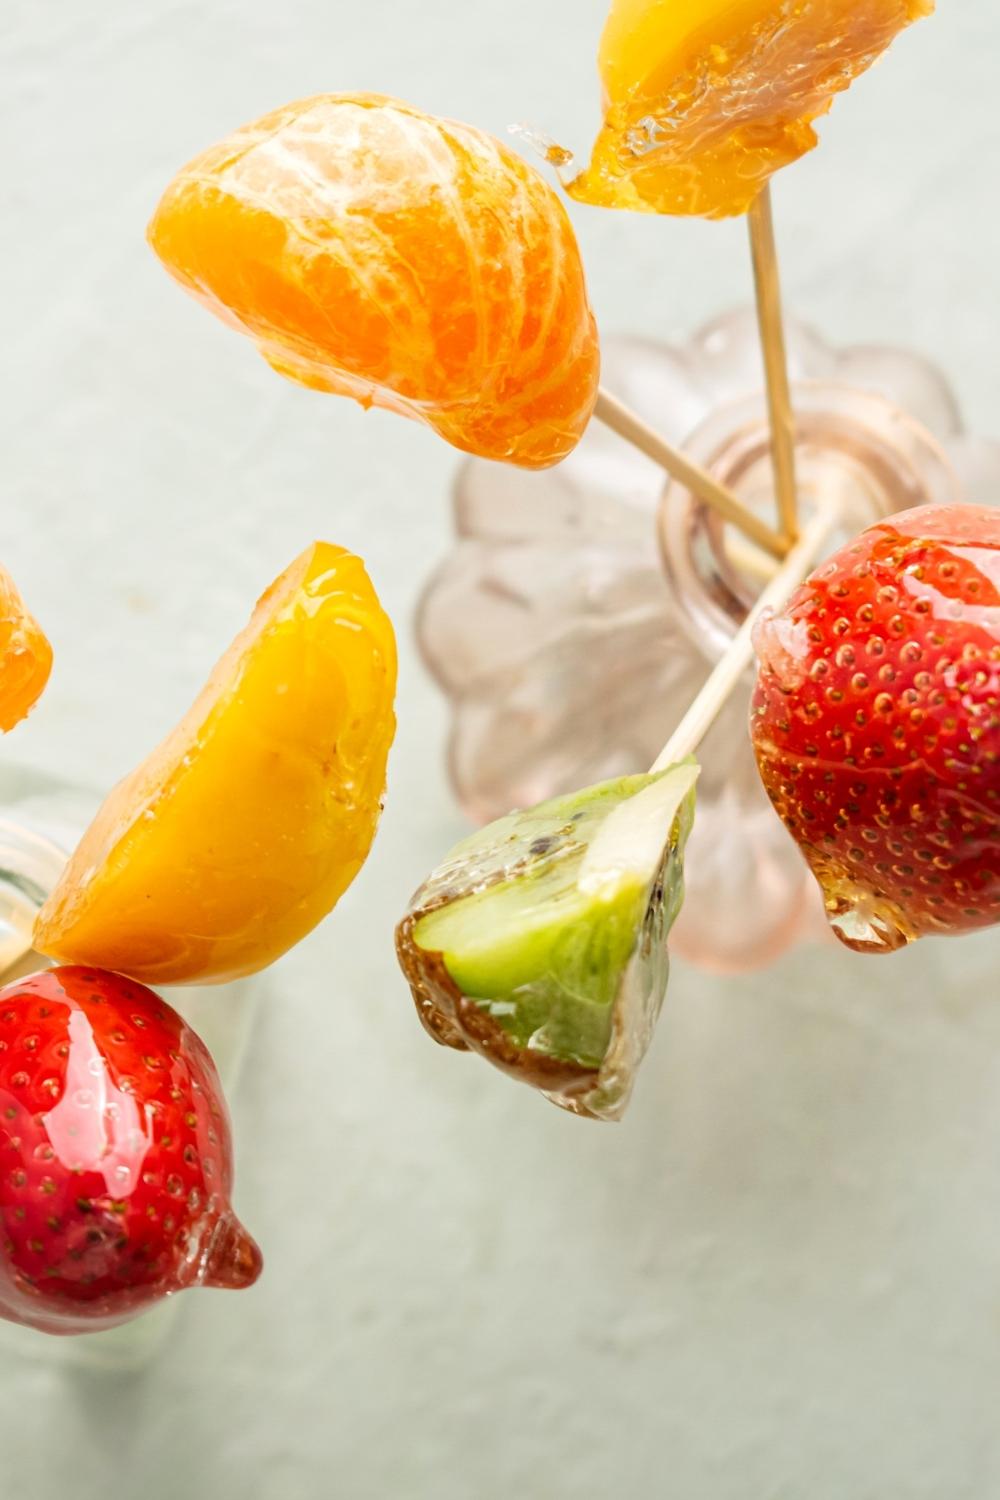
41 820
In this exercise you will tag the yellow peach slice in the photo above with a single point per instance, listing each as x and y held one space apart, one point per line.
706 99
245 826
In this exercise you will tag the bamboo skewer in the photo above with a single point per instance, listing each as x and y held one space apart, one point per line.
705 709
797 552
772 337
634 430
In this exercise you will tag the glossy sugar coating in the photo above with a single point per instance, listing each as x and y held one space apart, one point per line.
245 826
410 262
706 99
541 941
116 1163
876 723
25 656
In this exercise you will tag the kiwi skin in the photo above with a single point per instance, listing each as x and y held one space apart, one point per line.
509 952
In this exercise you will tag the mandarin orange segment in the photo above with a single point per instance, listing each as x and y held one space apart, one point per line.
706 99
246 825
409 262
25 656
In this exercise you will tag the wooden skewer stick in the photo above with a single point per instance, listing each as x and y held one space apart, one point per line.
706 707
634 430
772 337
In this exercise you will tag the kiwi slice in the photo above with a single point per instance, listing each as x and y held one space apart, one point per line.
541 940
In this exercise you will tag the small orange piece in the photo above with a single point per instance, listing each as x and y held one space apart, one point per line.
25 656
409 262
245 826
706 99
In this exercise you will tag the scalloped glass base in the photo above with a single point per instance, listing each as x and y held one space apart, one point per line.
581 607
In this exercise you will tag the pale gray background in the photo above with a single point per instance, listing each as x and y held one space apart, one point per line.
780 1278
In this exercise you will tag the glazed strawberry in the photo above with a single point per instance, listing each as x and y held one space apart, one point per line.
115 1155
876 724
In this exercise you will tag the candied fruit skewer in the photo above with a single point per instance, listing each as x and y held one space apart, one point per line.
244 827
541 941
118 1156
876 727
409 262
704 100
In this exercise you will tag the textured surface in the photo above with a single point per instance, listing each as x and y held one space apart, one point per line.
115 1154
540 942
25 656
779 1277
419 264
876 724
245 826
707 99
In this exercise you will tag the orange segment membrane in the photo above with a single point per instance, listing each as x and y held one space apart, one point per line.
409 262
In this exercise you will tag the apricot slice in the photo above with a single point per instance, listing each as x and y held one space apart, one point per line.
245 826
410 262
706 99
25 656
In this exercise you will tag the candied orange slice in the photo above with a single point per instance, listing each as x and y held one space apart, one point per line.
410 262
243 829
706 99
25 656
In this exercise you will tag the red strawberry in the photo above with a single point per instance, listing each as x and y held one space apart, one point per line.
876 723
115 1155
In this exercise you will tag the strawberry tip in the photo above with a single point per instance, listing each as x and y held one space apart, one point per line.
234 1261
